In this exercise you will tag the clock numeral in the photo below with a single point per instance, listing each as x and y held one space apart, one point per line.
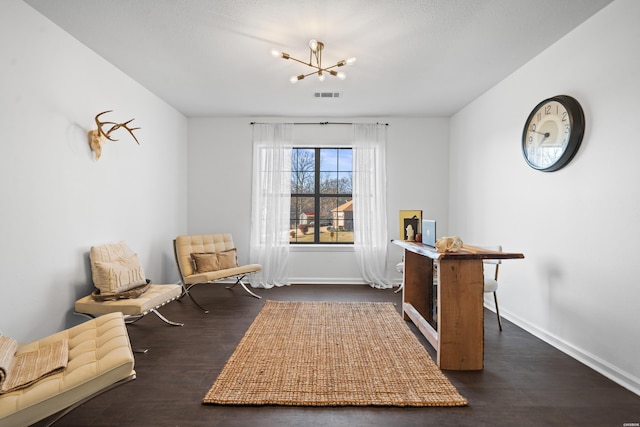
564 116
547 110
567 128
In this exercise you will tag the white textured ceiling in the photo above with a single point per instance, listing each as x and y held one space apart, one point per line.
414 57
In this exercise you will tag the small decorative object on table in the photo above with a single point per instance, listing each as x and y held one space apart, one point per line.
449 244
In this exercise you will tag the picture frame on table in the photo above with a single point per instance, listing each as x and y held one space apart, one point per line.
408 218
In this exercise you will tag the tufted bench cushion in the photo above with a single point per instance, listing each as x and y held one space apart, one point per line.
99 356
156 296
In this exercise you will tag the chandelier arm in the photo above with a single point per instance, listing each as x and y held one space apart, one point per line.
328 68
311 74
305 63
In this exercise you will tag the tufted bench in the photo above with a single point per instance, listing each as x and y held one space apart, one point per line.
100 357
221 244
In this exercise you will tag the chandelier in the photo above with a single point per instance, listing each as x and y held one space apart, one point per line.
315 52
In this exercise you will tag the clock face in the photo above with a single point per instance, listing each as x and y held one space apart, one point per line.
552 133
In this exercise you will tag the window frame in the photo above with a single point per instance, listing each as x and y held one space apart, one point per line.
317 195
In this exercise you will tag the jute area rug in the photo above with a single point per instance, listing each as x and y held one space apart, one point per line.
331 354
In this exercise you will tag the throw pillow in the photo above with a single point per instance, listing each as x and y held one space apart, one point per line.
227 259
118 275
205 262
214 261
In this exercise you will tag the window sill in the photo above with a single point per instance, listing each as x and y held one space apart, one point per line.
321 248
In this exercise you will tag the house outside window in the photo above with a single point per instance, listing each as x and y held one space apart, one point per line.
321 196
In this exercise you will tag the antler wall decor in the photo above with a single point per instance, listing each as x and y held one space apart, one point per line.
97 137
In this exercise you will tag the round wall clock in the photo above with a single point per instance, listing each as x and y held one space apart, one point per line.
552 133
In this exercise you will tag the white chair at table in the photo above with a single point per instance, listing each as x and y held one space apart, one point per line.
400 269
491 277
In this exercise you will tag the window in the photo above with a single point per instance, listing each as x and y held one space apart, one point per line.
321 202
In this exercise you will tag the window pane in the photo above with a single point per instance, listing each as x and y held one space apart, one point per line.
340 220
328 159
302 171
345 182
329 182
302 219
345 160
343 234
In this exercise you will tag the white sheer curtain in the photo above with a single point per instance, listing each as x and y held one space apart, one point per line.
271 199
370 203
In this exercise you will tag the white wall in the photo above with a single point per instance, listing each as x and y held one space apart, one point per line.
220 153
578 227
57 201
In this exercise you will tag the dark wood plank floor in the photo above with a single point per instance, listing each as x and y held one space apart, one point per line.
525 381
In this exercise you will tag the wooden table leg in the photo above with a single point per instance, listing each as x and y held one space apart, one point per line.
460 315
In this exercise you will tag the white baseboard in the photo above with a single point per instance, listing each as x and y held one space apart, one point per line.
326 281
307 281
603 367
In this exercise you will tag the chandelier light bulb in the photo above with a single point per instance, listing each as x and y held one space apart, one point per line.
320 76
275 52
341 76
351 61
313 44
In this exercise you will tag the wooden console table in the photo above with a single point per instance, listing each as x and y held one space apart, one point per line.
443 297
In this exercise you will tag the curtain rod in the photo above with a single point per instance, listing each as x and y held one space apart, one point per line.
318 123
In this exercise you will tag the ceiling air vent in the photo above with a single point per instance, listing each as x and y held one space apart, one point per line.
327 94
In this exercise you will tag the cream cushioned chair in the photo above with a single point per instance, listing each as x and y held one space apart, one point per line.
154 297
207 258
490 270
400 269
100 358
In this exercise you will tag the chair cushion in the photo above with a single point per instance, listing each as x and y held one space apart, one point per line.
490 285
155 296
